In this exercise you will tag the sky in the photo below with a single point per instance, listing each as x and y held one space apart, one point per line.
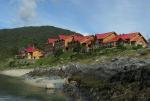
83 16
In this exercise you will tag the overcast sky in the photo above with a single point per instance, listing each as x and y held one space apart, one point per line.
84 16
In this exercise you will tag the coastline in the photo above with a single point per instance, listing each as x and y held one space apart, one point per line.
119 79
43 82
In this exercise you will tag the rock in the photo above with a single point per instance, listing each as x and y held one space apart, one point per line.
102 71
114 59
98 98
116 73
94 94
141 53
74 83
50 86
97 60
91 90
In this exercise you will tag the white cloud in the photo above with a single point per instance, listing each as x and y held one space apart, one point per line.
27 10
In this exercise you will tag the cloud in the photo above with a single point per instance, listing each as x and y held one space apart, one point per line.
27 10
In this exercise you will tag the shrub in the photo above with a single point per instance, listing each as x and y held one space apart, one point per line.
11 63
58 52
46 61
137 47
18 63
77 49
122 47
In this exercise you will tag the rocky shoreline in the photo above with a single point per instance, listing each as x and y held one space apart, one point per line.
122 79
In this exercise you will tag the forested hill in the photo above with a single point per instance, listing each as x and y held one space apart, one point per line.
13 39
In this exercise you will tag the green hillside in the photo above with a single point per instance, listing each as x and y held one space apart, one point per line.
13 39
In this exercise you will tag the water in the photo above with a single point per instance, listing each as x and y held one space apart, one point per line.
14 89
14 98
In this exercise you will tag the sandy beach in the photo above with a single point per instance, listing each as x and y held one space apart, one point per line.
16 72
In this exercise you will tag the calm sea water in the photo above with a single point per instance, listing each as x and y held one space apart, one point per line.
14 89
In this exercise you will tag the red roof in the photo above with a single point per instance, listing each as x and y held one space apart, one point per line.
51 41
64 37
30 49
123 37
78 38
87 39
104 35
61 37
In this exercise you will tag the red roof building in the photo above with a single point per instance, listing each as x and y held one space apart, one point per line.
104 35
30 49
103 38
52 40
78 38
87 40
131 38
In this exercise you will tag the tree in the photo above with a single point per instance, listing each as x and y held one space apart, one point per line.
122 47
137 47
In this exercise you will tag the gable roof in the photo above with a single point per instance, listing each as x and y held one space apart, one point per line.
122 37
104 35
65 37
51 40
134 34
68 38
87 39
118 37
78 38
